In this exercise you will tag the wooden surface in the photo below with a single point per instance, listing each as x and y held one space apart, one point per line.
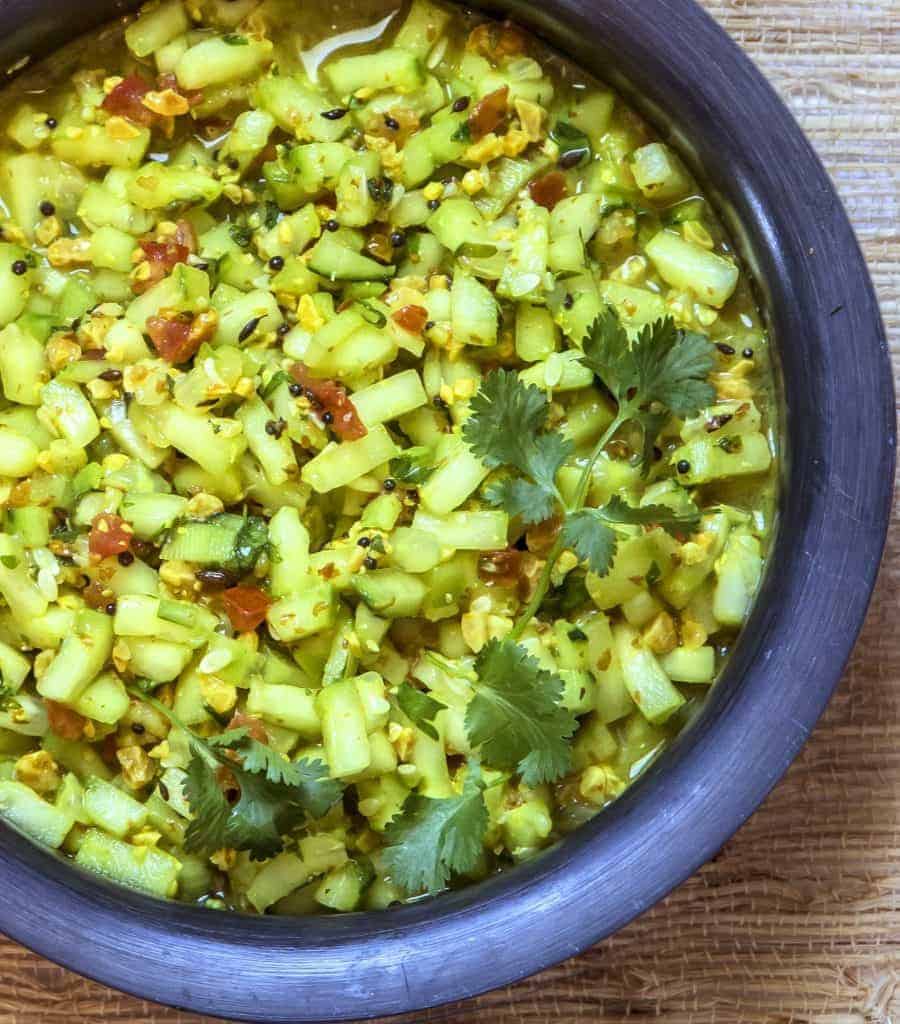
798 919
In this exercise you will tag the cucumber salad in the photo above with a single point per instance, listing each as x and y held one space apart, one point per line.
386 451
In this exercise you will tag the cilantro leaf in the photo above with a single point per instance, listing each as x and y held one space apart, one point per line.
574 146
591 532
315 790
249 544
413 466
505 428
516 716
522 498
663 371
276 795
589 536
208 804
506 418
434 839
419 708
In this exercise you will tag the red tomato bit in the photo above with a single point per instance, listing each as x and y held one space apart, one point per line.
126 100
489 112
173 338
161 258
548 190
411 318
246 607
64 722
110 535
334 401
256 729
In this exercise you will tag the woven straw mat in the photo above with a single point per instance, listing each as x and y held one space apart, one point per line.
798 919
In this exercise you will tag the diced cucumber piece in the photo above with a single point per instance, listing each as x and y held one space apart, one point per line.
717 457
298 108
156 27
341 464
138 867
687 665
395 68
390 593
23 365
390 398
649 686
222 60
288 706
80 658
23 808
337 262
467 531
689 267
659 172
305 614
738 572
474 312
112 809
344 730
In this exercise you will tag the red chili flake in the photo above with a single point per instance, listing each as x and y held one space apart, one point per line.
333 399
64 722
246 607
173 339
110 535
411 318
241 720
161 258
548 190
489 112
126 100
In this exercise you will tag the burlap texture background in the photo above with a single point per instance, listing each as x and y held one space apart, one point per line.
798 920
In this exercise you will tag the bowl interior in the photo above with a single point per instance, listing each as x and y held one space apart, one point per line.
837 411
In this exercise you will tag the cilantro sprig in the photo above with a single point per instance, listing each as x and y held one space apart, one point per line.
276 795
435 838
419 708
516 718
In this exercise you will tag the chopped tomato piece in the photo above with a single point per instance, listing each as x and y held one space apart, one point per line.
110 535
489 112
161 257
241 720
64 722
126 100
334 400
411 318
246 607
548 190
174 338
